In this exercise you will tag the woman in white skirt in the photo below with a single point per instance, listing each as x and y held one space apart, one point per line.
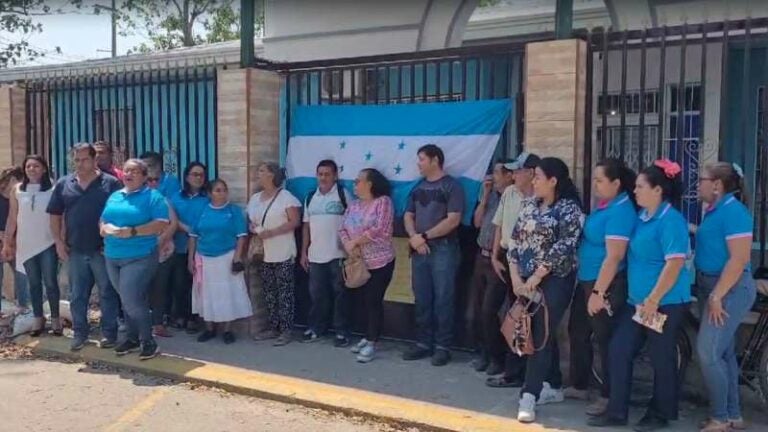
216 248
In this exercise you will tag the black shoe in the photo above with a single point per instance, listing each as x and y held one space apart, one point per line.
441 357
340 341
504 382
480 363
127 347
206 336
494 368
149 350
228 337
416 353
105 343
650 423
606 421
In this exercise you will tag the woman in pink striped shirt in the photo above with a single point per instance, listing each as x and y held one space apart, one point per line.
367 225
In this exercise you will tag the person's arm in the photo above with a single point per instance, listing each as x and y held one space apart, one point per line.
191 251
382 230
477 217
409 222
667 279
674 243
289 226
56 210
739 251
240 248
173 225
10 224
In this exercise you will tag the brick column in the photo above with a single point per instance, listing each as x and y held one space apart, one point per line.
555 100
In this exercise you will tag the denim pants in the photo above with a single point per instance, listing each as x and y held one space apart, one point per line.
628 337
84 270
329 298
715 346
433 280
43 268
544 364
20 284
133 280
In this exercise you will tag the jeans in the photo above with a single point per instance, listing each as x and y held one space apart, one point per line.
373 299
159 291
628 338
182 288
581 327
433 278
715 346
20 285
43 268
487 295
84 270
544 364
329 298
133 279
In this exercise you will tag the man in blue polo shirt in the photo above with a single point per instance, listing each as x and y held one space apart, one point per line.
77 202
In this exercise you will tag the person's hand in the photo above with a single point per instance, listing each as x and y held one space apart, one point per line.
304 261
532 284
191 265
123 232
595 304
62 251
518 287
349 246
648 309
253 227
184 227
692 228
498 268
7 253
265 234
716 312
416 241
423 249
487 186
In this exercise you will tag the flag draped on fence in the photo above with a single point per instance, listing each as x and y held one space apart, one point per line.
386 137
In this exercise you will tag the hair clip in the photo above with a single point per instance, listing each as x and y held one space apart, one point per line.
670 168
737 169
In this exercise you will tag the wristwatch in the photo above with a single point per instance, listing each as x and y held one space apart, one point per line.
133 232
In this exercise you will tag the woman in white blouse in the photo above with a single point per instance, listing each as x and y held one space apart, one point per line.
273 215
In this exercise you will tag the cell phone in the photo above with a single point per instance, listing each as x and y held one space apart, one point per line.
655 323
237 267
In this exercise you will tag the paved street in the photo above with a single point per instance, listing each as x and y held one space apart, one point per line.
39 395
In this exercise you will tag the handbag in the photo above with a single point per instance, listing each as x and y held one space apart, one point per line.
517 328
354 270
256 244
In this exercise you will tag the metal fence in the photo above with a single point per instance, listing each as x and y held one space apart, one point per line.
171 110
693 93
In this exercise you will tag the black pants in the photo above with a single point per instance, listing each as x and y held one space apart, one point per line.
628 338
487 294
182 288
372 295
581 327
544 364
158 295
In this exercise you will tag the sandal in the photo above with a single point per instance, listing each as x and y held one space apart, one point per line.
161 331
503 382
56 327
716 426
39 327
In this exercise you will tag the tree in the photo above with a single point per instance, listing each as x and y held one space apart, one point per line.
168 24
17 17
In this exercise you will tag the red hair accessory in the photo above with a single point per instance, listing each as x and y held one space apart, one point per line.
671 169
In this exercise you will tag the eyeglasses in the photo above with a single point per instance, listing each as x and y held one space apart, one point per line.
703 179
196 174
153 179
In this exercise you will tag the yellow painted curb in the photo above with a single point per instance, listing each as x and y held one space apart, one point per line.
282 388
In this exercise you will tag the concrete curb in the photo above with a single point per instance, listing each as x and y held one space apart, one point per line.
380 407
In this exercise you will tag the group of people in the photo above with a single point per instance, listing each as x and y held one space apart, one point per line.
164 252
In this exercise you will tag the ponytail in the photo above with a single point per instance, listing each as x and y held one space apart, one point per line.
732 177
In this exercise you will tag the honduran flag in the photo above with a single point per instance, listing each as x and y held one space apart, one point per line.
386 137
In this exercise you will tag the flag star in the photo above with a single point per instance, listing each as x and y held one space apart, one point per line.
341 168
398 168
401 146
342 145
368 155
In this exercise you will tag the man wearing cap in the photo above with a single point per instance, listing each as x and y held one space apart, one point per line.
504 221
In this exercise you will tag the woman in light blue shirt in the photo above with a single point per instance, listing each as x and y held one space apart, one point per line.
659 284
216 250
132 219
726 290
602 274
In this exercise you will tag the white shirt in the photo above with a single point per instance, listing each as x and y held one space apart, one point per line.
282 247
324 215
33 229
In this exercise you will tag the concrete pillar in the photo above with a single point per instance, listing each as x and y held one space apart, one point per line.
555 100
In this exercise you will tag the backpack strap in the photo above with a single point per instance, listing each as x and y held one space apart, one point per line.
342 194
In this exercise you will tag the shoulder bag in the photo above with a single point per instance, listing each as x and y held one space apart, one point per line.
354 270
517 327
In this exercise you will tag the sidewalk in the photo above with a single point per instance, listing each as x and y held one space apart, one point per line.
453 397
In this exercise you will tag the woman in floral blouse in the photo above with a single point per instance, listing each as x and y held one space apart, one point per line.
542 260
367 226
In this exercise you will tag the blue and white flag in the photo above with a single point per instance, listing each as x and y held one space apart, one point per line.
386 137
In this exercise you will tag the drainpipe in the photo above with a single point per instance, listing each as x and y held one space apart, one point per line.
247 18
564 19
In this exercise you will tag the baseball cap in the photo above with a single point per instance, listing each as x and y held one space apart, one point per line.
523 160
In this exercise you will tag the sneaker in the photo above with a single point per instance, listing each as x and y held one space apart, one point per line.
366 353
206 336
310 336
598 407
526 410
340 341
105 343
416 352
441 357
284 339
360 345
228 337
127 347
574 393
77 344
549 395
149 350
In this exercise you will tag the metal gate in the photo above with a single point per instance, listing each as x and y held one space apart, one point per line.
693 93
170 110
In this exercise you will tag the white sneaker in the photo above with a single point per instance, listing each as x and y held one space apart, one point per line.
360 345
526 410
366 353
549 395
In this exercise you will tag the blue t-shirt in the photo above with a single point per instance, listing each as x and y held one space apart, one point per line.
728 219
615 221
169 185
657 239
133 209
218 229
188 209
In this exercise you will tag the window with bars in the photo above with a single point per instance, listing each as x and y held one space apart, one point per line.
611 103
610 143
